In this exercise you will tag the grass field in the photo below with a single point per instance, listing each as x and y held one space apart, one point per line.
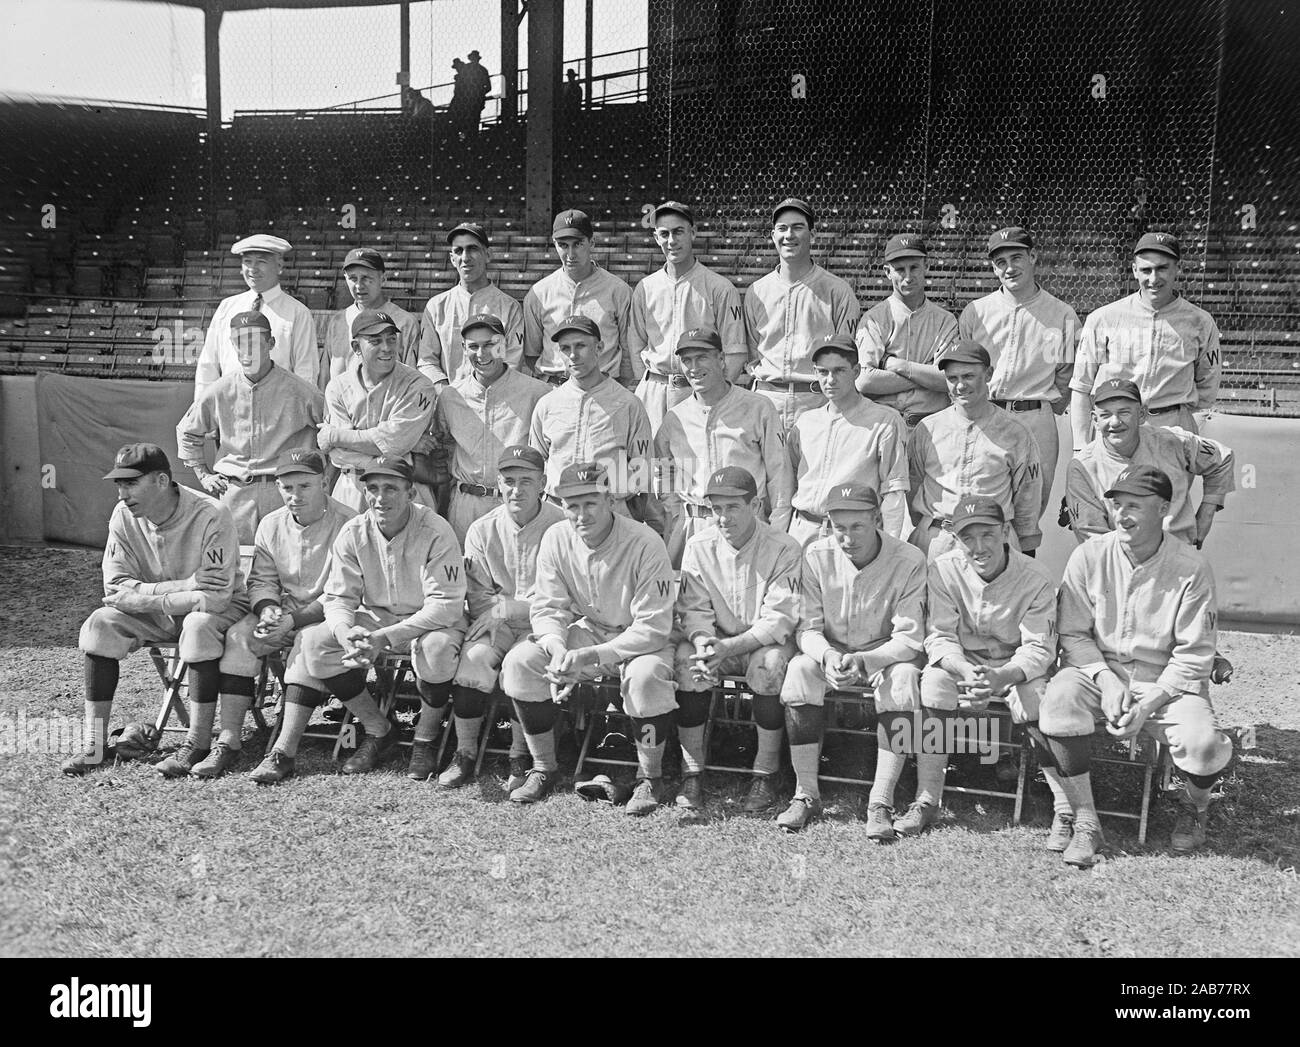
125 863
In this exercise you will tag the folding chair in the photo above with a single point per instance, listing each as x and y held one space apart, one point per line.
593 704
1001 715
730 705
171 669
1143 754
851 697
391 670
485 747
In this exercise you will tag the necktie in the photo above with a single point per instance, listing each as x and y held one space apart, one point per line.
257 303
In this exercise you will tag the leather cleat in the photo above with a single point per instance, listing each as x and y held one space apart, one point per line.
76 766
761 796
918 818
646 798
218 762
1189 829
880 823
690 795
1085 845
602 787
372 752
180 763
1058 837
424 761
536 787
519 766
461 772
802 810
333 710
275 767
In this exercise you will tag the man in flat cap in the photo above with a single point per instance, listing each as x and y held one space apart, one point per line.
900 338
261 260
579 285
791 311
364 272
442 359
255 415
1154 337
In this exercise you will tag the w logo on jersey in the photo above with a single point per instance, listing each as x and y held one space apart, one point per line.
665 587
1032 470
452 572
216 556
424 402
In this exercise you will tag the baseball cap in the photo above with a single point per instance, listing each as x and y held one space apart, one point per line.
473 228
853 496
731 480
261 242
1011 236
1165 243
571 222
520 456
251 320
390 465
977 510
364 256
1143 480
675 207
792 203
135 460
582 478
837 343
302 460
699 338
585 324
372 321
905 245
492 323
1116 389
966 351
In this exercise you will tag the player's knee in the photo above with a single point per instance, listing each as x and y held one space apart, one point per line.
522 672
938 688
1204 752
766 670
477 667
647 673
99 636
320 651
804 683
437 655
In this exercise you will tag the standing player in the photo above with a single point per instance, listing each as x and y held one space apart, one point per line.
862 624
500 577
171 575
480 415
900 338
602 606
718 425
736 614
377 407
1154 337
1030 335
579 285
364 272
256 415
1138 623
441 358
791 311
683 295
395 583
848 439
972 450
261 260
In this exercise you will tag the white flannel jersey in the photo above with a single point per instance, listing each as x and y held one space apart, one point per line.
663 308
916 335
442 356
828 447
602 297
479 422
1031 343
394 414
501 562
290 560
338 336
786 321
606 424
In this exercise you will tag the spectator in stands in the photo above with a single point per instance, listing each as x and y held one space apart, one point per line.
417 107
572 96
480 87
460 110
292 326
364 272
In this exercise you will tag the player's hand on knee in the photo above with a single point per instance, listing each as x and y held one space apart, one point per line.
1114 696
214 483
576 662
1130 721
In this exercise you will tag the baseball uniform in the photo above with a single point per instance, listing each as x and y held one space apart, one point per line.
918 335
253 424
441 357
338 336
603 297
292 326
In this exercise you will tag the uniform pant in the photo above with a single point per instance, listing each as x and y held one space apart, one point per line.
110 633
790 405
645 682
433 654
764 669
249 503
897 687
658 397
939 690
803 530
1183 418
1186 723
349 490
1042 425
465 508
480 659
244 650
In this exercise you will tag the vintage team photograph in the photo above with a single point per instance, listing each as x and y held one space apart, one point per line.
650 478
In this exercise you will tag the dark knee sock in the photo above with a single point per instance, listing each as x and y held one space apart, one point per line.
692 712
348 685
101 677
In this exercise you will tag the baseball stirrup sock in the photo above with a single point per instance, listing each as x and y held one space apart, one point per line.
202 715
101 677
692 743
429 722
469 701
297 694
767 712
806 760
467 729
204 679
366 710
768 758
434 694
96 726
651 735
234 707
348 685
293 721
893 741
930 769
1078 790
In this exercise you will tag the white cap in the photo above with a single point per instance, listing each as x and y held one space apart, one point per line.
261 242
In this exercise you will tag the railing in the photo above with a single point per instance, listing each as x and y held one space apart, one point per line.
102 103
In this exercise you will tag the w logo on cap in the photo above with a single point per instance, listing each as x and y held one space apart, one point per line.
694 332
846 492
591 472
1162 237
1005 234
518 452
904 241
969 507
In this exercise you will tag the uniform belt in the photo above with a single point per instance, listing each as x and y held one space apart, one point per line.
1166 410
699 512
791 387
938 522
914 419
816 518
259 478
677 381
1020 405
478 489
553 377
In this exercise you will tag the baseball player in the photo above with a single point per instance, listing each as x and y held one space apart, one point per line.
602 606
862 624
592 418
261 260
718 425
479 415
378 406
441 358
791 311
1138 623
900 338
500 575
1154 337
256 415
1030 335
990 636
171 575
364 272
395 583
578 286
972 450
848 439
683 295
737 610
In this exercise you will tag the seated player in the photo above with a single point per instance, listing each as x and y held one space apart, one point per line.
395 583
1138 624
737 609
990 636
500 574
602 606
171 575
862 624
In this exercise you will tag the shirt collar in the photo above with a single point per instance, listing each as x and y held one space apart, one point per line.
268 297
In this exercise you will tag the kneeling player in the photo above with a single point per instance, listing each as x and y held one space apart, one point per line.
861 625
603 606
736 612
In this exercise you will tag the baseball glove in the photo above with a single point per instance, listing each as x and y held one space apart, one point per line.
135 741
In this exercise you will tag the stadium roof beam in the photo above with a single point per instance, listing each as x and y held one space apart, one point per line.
545 60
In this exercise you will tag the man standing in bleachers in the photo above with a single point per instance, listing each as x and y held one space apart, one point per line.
363 271
261 260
